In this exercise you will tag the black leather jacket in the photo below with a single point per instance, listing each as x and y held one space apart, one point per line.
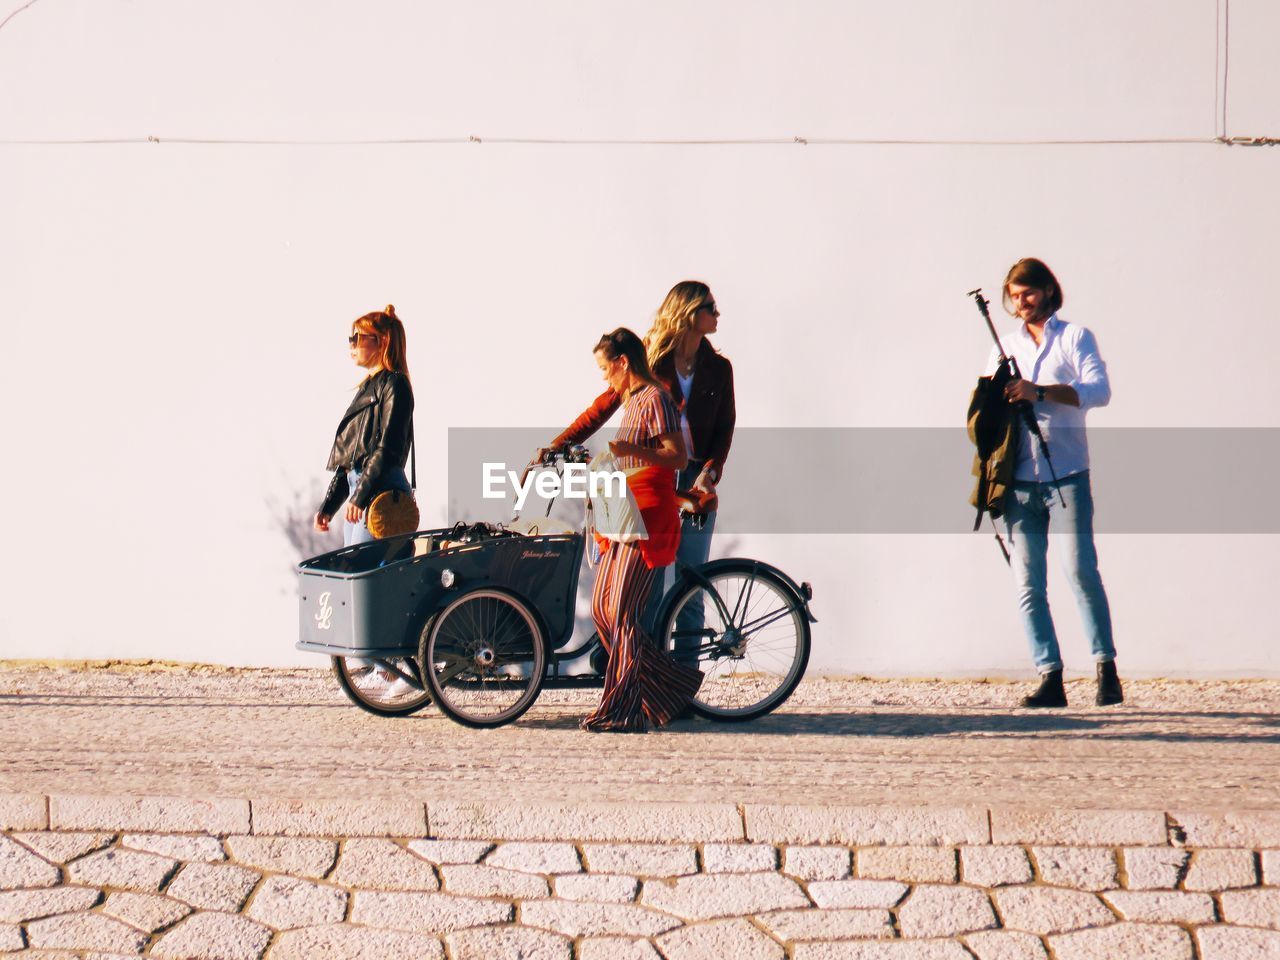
373 436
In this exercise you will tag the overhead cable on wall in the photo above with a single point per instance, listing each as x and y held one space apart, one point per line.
590 142
16 12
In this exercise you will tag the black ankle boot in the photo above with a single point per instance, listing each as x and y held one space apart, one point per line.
1051 692
1109 689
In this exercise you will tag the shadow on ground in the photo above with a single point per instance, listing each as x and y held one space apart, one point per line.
1115 725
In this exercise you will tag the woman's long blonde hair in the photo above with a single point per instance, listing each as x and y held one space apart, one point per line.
674 319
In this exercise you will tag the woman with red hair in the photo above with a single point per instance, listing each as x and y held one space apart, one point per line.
371 445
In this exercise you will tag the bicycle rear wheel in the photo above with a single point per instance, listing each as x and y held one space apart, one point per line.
484 657
752 647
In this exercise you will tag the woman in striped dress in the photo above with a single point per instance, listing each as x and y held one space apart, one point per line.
643 686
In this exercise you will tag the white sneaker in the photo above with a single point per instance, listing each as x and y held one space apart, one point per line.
389 685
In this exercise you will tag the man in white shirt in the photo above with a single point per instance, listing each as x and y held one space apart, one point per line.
1064 377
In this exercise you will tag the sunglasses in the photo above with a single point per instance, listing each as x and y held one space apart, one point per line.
710 305
355 338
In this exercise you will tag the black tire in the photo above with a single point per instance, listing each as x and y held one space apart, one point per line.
361 682
486 656
748 678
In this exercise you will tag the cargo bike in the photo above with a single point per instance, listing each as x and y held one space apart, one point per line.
479 617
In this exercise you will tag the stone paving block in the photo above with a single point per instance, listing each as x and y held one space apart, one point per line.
710 896
866 826
202 849
1252 908
1271 867
1085 828
150 814
1006 945
1145 940
17 906
814 924
1237 943
23 811
481 880
817 863
642 859
64 847
382 865
11 938
126 869
426 912
342 942
1154 868
286 903
595 919
738 857
911 864
146 911
994 866
1162 906
213 936
1047 910
1213 870
723 938
451 851
310 857
597 887
508 943
883 950
857 894
639 823
214 886
1081 868
19 867
1254 829
616 948
538 858
85 931
944 911
371 817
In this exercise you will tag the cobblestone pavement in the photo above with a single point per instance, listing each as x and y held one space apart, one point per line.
212 731
207 813
92 876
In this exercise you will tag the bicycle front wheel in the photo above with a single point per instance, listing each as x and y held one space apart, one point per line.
747 632
484 658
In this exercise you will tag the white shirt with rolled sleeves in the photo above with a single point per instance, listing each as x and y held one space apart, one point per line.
1067 355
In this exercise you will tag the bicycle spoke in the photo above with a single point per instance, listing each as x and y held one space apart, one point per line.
752 662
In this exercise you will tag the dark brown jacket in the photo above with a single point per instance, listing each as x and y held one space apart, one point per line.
711 410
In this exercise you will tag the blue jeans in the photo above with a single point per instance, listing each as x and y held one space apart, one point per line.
352 533
1029 509
694 549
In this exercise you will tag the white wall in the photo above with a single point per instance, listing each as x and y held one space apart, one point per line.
174 315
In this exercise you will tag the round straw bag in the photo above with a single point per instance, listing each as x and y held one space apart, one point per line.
392 513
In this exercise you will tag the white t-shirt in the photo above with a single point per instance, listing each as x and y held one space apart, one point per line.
686 386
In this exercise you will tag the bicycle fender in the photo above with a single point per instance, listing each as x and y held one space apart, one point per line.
801 592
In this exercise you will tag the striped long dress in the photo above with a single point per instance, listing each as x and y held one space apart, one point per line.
643 685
